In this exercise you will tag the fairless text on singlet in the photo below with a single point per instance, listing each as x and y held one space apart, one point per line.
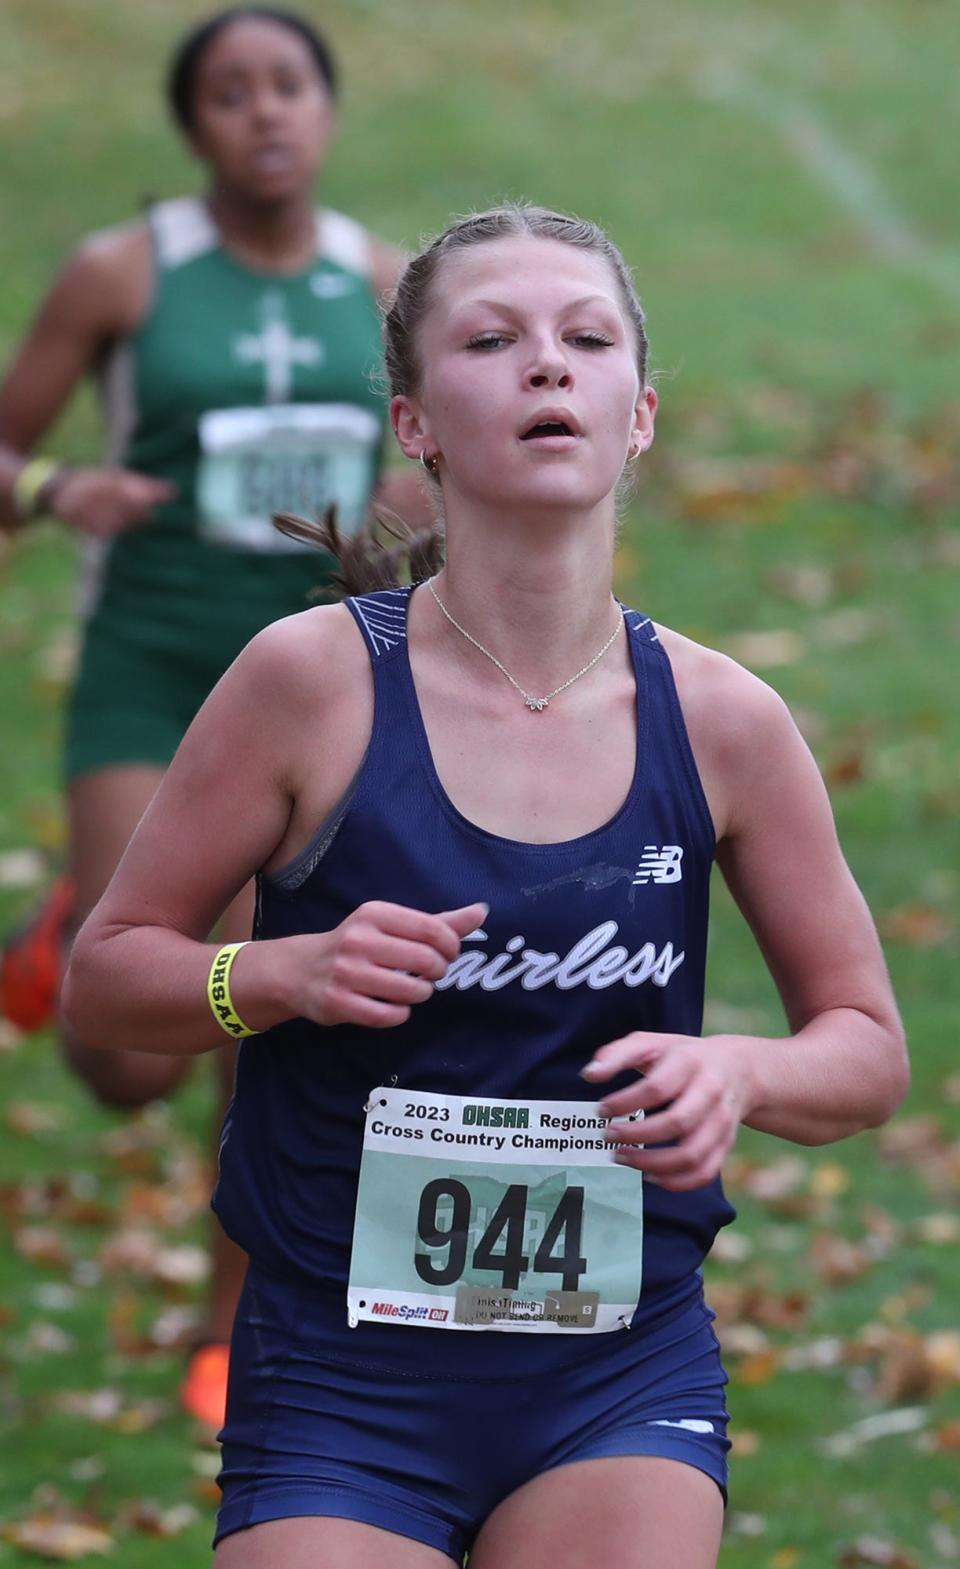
595 961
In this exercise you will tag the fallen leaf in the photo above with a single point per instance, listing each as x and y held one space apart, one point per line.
910 1138
884 1424
10 1036
29 1118
731 1247
150 1519
42 1245
45 1339
944 1541
922 1143
828 1180
760 1368
742 1340
906 1372
54 1297
845 768
141 1253
837 1261
828 1351
751 1305
785 1558
941 1230
763 650
742 490
26 868
89 1468
106 1408
880 1226
951 1089
846 627
741 1523
804 583
942 1349
744 1442
867 1550
771 1180
917 925
56 661
65 1540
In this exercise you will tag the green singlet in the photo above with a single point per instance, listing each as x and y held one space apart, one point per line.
253 393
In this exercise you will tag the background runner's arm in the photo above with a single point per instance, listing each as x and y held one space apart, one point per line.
99 296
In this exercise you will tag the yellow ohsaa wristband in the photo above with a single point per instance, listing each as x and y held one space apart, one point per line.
29 484
218 992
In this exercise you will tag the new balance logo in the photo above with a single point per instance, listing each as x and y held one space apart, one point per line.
659 866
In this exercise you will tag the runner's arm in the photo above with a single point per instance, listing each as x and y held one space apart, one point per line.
138 973
843 1067
99 296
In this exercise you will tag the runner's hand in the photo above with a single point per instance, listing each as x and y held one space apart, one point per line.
689 1095
378 963
107 501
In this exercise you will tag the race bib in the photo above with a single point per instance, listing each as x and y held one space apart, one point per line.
493 1214
296 457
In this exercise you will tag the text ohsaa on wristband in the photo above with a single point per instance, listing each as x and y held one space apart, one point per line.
218 992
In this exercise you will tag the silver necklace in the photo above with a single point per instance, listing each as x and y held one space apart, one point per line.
535 704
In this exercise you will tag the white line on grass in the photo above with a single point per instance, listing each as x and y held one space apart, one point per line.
843 173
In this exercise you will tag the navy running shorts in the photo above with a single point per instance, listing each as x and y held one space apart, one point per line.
318 1423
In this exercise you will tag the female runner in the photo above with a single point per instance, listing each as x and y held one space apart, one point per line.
233 336
483 814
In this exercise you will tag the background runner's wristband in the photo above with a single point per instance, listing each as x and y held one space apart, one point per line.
218 992
30 484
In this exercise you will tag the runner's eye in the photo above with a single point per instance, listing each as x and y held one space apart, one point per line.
486 340
229 97
592 340
289 85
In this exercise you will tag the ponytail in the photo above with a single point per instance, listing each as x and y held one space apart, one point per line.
365 563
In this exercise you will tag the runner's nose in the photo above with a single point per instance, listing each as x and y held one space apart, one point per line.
549 368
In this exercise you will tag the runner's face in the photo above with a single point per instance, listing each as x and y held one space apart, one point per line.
520 331
263 117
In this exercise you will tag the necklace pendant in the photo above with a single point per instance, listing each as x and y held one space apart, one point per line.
536 704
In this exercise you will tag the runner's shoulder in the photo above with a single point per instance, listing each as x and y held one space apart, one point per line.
106 281
728 710
310 659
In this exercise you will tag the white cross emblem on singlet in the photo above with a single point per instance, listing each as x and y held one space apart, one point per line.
276 347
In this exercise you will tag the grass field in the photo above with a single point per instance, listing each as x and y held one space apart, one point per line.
783 181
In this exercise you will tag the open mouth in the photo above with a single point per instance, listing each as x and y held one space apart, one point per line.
272 156
548 427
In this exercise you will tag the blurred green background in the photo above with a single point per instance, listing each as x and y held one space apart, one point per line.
783 180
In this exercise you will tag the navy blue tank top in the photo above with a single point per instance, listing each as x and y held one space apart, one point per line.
585 941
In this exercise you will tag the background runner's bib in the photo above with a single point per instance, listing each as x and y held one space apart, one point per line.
285 458
493 1214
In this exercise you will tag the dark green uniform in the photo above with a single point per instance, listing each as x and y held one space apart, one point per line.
253 393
